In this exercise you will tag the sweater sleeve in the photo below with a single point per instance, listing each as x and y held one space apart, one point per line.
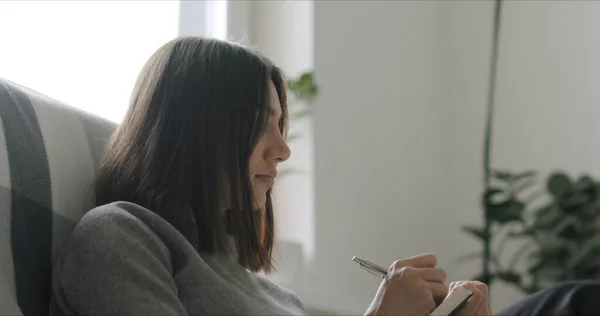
115 264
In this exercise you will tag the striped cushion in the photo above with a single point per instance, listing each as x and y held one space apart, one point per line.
48 157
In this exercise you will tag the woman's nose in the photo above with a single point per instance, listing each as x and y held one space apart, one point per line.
280 150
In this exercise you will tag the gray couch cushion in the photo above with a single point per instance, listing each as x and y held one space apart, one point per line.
48 156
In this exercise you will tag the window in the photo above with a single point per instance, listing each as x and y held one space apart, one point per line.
88 54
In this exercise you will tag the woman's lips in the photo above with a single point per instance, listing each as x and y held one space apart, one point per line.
266 179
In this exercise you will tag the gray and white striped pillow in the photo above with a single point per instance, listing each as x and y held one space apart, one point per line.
48 157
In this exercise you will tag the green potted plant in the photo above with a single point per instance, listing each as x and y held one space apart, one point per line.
560 238
303 90
557 225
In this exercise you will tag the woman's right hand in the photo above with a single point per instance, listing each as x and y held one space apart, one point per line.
413 286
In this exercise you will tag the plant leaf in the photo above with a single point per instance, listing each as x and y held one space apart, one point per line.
524 184
505 212
551 274
559 185
525 232
524 175
575 200
546 217
509 277
291 84
583 184
306 78
474 231
584 252
533 196
502 175
543 211
489 193
567 223
508 176
487 279
548 253
495 195
303 88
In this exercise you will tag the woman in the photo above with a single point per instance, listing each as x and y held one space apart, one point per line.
184 218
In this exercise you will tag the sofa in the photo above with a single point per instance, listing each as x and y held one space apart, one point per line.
49 152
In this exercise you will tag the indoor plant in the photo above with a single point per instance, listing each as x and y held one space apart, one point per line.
302 91
556 225
559 236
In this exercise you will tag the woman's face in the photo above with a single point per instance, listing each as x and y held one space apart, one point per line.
270 150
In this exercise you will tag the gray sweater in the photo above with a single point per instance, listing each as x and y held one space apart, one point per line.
122 259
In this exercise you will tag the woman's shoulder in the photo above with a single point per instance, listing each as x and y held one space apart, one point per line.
116 214
282 294
123 224
116 262
115 226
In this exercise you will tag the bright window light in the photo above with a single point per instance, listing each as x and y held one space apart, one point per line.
86 54
217 18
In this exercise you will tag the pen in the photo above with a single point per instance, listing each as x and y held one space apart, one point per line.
370 267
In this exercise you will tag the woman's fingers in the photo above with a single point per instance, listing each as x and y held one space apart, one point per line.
483 288
426 260
438 290
433 275
427 274
474 305
433 278
453 285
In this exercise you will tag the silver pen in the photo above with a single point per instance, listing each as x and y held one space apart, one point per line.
370 267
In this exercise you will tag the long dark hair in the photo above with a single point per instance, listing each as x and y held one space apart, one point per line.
196 113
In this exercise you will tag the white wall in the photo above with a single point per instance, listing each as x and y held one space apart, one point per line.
382 182
398 131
